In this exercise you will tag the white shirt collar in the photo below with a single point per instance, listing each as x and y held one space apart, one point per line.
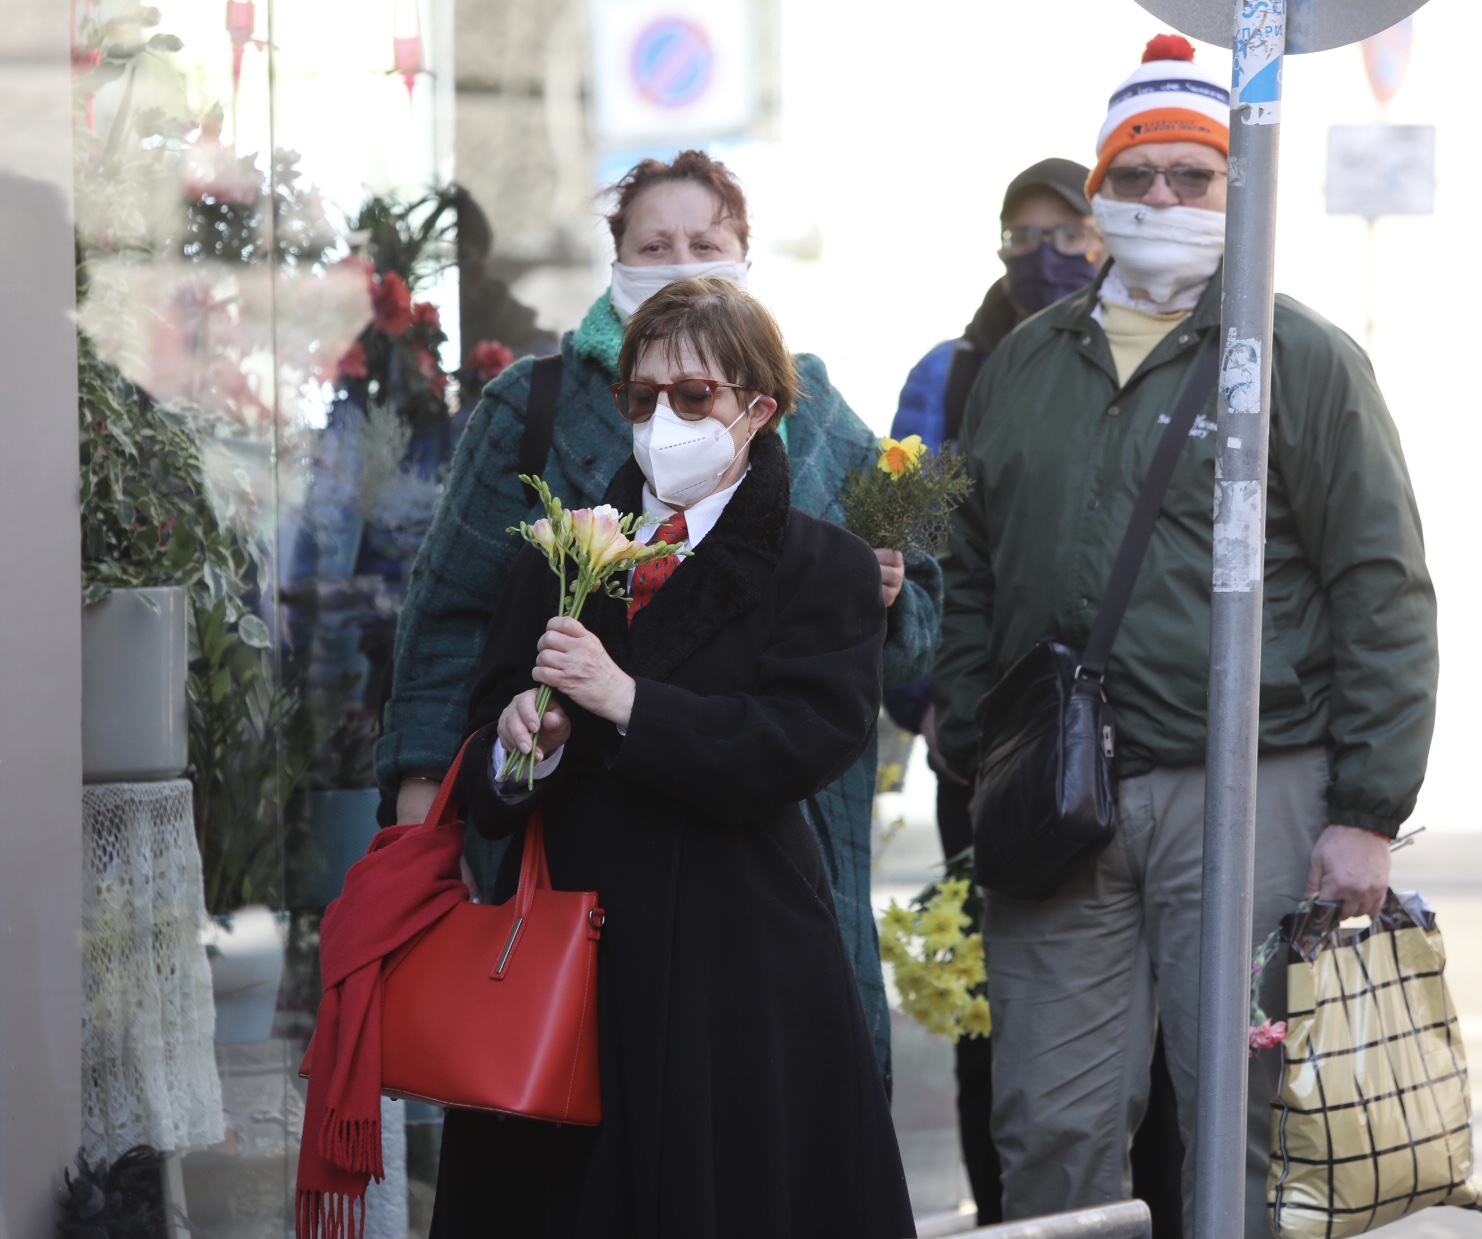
699 518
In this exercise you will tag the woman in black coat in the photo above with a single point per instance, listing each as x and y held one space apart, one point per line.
740 1092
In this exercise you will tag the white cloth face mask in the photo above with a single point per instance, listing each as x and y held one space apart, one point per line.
1161 250
632 286
683 460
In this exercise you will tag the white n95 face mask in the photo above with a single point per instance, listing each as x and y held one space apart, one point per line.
683 460
1161 250
632 286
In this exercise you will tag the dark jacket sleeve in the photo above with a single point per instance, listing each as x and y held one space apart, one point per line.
811 714
961 673
454 583
1339 456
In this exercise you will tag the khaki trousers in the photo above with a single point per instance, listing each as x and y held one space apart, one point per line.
1077 983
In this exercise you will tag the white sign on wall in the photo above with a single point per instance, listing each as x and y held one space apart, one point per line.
670 68
1376 170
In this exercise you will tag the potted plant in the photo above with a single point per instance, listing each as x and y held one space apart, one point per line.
338 806
150 537
251 740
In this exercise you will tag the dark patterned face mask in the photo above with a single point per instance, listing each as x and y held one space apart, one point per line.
1043 276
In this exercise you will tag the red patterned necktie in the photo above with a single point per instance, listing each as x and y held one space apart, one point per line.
648 576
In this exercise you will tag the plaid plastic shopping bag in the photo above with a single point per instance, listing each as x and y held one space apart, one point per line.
1373 1118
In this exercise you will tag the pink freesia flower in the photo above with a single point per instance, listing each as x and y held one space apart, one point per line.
1267 1035
594 531
544 536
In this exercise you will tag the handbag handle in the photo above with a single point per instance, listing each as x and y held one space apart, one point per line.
443 812
535 873
1145 515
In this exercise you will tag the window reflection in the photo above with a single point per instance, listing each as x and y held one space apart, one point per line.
268 343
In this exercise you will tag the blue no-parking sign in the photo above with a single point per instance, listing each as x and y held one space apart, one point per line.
672 62
667 70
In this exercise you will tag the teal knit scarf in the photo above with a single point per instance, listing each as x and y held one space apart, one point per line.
600 337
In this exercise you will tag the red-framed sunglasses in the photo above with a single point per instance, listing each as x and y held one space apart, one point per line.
691 399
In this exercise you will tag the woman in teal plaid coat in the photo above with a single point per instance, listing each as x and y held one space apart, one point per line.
686 213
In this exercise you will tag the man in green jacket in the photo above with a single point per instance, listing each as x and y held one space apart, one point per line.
1059 433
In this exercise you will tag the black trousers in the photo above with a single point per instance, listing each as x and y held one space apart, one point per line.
1157 1149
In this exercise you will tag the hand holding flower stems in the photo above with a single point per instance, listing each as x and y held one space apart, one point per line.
903 503
586 549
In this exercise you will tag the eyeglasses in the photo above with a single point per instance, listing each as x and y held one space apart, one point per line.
1066 238
691 399
1189 184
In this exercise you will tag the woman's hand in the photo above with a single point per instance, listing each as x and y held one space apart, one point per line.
519 721
892 573
572 661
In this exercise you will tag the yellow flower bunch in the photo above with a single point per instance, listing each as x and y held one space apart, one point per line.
939 967
905 500
586 549
897 456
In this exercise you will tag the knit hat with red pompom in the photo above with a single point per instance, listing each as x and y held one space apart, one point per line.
1168 99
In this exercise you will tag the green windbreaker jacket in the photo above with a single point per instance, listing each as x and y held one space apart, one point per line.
1058 450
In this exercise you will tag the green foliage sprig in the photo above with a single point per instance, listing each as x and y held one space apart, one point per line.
906 500
251 740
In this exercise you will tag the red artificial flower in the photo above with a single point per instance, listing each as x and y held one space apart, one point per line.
424 314
353 363
1267 1035
432 372
391 301
488 359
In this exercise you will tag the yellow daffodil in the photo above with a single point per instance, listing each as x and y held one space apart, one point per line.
937 967
898 456
977 1020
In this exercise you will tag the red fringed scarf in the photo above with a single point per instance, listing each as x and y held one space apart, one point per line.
405 883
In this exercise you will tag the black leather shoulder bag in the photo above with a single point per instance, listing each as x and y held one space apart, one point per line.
1045 799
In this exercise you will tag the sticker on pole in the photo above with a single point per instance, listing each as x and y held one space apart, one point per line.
1239 519
673 62
1260 40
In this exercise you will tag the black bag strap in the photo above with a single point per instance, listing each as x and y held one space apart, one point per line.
1145 515
540 419
967 360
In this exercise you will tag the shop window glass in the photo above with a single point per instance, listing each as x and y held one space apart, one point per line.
268 342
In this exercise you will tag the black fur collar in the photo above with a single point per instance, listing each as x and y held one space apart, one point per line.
722 579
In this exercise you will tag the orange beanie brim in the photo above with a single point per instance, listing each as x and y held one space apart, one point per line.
1157 125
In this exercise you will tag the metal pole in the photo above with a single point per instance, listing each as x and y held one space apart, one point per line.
1127 1219
1235 628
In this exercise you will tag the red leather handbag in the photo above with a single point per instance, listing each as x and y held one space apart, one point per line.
495 1006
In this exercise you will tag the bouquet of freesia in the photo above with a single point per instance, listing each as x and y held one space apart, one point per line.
938 965
904 502
586 549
